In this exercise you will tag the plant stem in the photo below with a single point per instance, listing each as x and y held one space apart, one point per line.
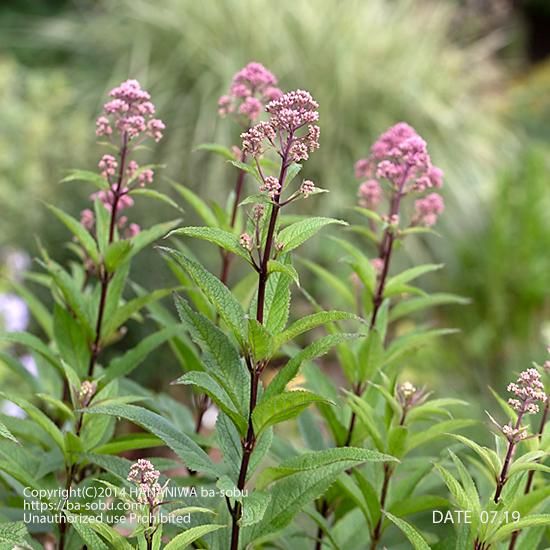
105 279
255 370
507 460
531 475
377 532
385 254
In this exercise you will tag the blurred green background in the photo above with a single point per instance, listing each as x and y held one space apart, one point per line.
472 76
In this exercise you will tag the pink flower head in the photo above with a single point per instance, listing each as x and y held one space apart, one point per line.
132 230
130 111
307 188
370 194
289 115
428 209
107 197
108 166
144 475
272 186
401 156
245 241
251 89
87 219
528 389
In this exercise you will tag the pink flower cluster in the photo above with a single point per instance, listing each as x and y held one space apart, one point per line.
251 89
131 112
288 114
143 474
528 389
428 209
400 156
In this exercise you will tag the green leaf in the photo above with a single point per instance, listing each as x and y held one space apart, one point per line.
254 507
281 407
294 235
219 356
310 322
224 239
260 340
13 535
71 340
121 366
529 521
6 434
488 456
113 537
395 283
191 454
365 414
230 444
121 314
438 430
277 302
274 266
292 171
314 350
88 534
156 195
415 538
217 149
418 503
412 341
331 280
129 442
183 540
78 230
217 293
39 417
87 175
15 365
371 355
360 263
36 307
117 253
406 307
249 169
32 342
200 206
456 490
225 402
317 459
147 236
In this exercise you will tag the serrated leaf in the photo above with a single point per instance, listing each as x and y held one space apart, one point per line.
260 340
14 533
281 407
488 456
225 402
294 235
254 507
147 236
121 366
318 459
371 355
224 239
39 418
87 175
78 230
191 454
415 538
117 253
397 281
406 307
88 534
249 169
314 350
529 521
274 266
6 434
310 322
437 430
219 355
71 340
183 540
217 293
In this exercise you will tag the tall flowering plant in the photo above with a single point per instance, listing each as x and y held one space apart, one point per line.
361 464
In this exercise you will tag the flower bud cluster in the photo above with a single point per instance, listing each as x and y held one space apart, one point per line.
144 474
528 389
400 157
251 89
